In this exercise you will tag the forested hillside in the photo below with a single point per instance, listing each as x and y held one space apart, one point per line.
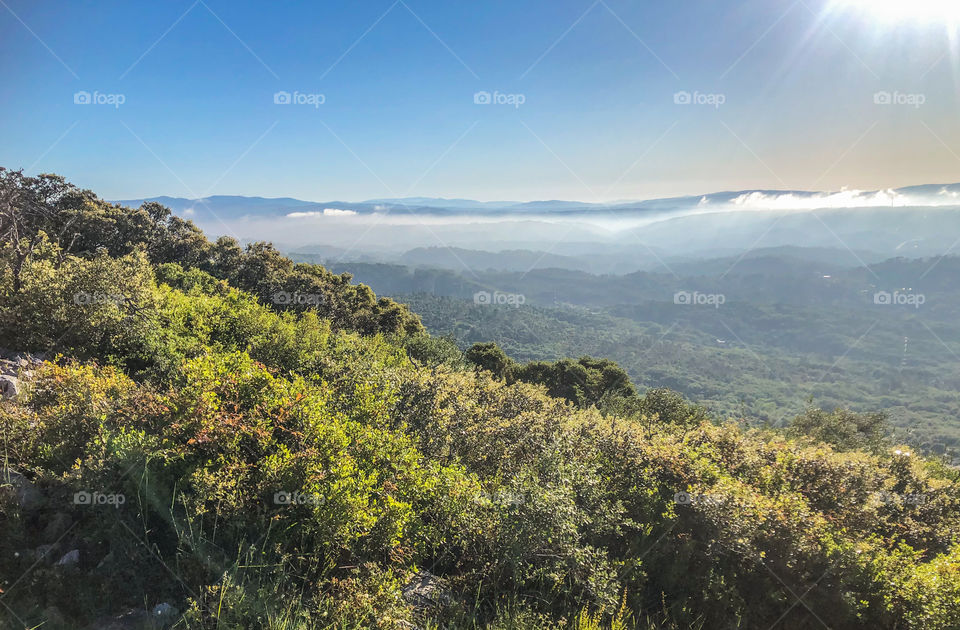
758 364
789 331
199 435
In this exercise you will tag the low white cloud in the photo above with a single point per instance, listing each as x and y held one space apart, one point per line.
841 199
304 215
326 212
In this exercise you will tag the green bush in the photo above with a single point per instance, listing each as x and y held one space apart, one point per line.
292 466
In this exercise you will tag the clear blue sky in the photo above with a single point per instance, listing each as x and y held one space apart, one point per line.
598 83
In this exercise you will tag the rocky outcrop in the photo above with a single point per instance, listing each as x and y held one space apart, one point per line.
426 590
9 386
14 367
70 558
26 495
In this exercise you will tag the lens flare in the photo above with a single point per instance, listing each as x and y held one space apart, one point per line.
904 10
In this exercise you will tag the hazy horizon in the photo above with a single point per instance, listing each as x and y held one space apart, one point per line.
546 197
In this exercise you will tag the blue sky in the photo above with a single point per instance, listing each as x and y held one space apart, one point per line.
787 97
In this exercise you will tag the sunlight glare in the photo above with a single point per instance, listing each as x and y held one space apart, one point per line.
903 10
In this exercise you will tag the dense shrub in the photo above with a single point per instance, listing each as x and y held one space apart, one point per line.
49 209
285 466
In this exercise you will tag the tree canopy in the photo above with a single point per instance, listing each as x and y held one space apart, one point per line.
250 462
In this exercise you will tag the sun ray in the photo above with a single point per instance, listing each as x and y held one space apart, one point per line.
904 10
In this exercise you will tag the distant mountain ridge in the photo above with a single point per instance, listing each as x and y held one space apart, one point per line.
619 238
238 206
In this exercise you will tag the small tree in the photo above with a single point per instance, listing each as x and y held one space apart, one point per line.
844 429
31 207
490 357
669 407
